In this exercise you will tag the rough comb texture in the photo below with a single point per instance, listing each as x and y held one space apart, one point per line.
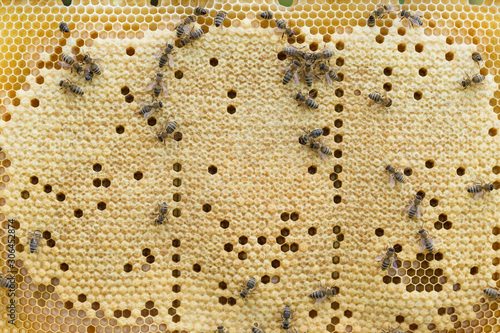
245 198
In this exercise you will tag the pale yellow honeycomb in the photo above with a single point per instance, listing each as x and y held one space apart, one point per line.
245 198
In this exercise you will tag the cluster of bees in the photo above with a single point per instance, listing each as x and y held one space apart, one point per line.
319 296
86 66
476 78
426 242
386 9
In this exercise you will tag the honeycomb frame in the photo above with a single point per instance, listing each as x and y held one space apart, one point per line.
278 249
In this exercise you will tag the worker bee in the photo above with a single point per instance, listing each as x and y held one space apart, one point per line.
162 213
34 240
308 73
91 67
6 283
492 292
247 289
293 71
371 21
167 131
221 329
258 328
165 55
314 134
379 100
63 26
219 18
69 63
413 209
321 148
292 51
394 175
267 15
413 19
426 242
323 294
477 78
480 189
149 108
69 86
388 258
183 27
392 330
286 317
379 13
476 56
195 34
324 54
307 101
157 85
199 11
330 73
282 25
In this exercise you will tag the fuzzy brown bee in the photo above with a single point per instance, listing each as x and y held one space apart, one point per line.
426 242
323 293
329 72
248 288
34 240
307 101
183 27
476 56
6 283
282 25
480 189
413 209
219 18
63 26
494 293
388 258
199 11
69 86
157 85
169 129
293 71
165 55
162 213
267 15
148 109
413 19
394 175
69 63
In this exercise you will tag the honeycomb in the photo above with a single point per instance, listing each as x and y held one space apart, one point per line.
245 198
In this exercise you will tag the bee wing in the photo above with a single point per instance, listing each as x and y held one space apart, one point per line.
157 55
319 300
328 80
391 180
380 257
407 209
479 194
151 85
64 65
418 13
421 245
419 212
394 263
435 241
164 88
376 105
170 61
296 77
149 113
323 156
414 20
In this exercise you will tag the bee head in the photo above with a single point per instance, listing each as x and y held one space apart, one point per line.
389 102
220 327
159 75
421 231
160 138
61 83
160 104
303 140
170 46
86 57
388 167
419 198
491 187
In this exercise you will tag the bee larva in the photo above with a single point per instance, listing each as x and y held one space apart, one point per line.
426 242
292 51
34 240
323 293
258 328
69 86
148 109
69 63
286 316
219 18
281 24
167 131
413 209
413 19
6 283
63 26
293 71
394 175
388 258
267 15
492 292
199 11
157 85
476 56
165 55
247 289
305 101
329 73
480 189
162 213
221 329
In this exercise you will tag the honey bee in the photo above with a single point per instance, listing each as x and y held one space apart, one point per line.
379 14
34 240
413 19
324 54
162 213
293 71
492 292
379 100
248 288
307 101
69 63
163 134
183 27
157 85
150 108
282 25
388 258
477 78
69 86
219 18
371 21
480 189
314 134
468 81
323 294
413 209
392 330
394 175
165 55
63 26
199 11
308 73
195 34
91 67
267 15
258 328
6 283
476 56
321 148
330 73
286 317
292 51
221 329
426 242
